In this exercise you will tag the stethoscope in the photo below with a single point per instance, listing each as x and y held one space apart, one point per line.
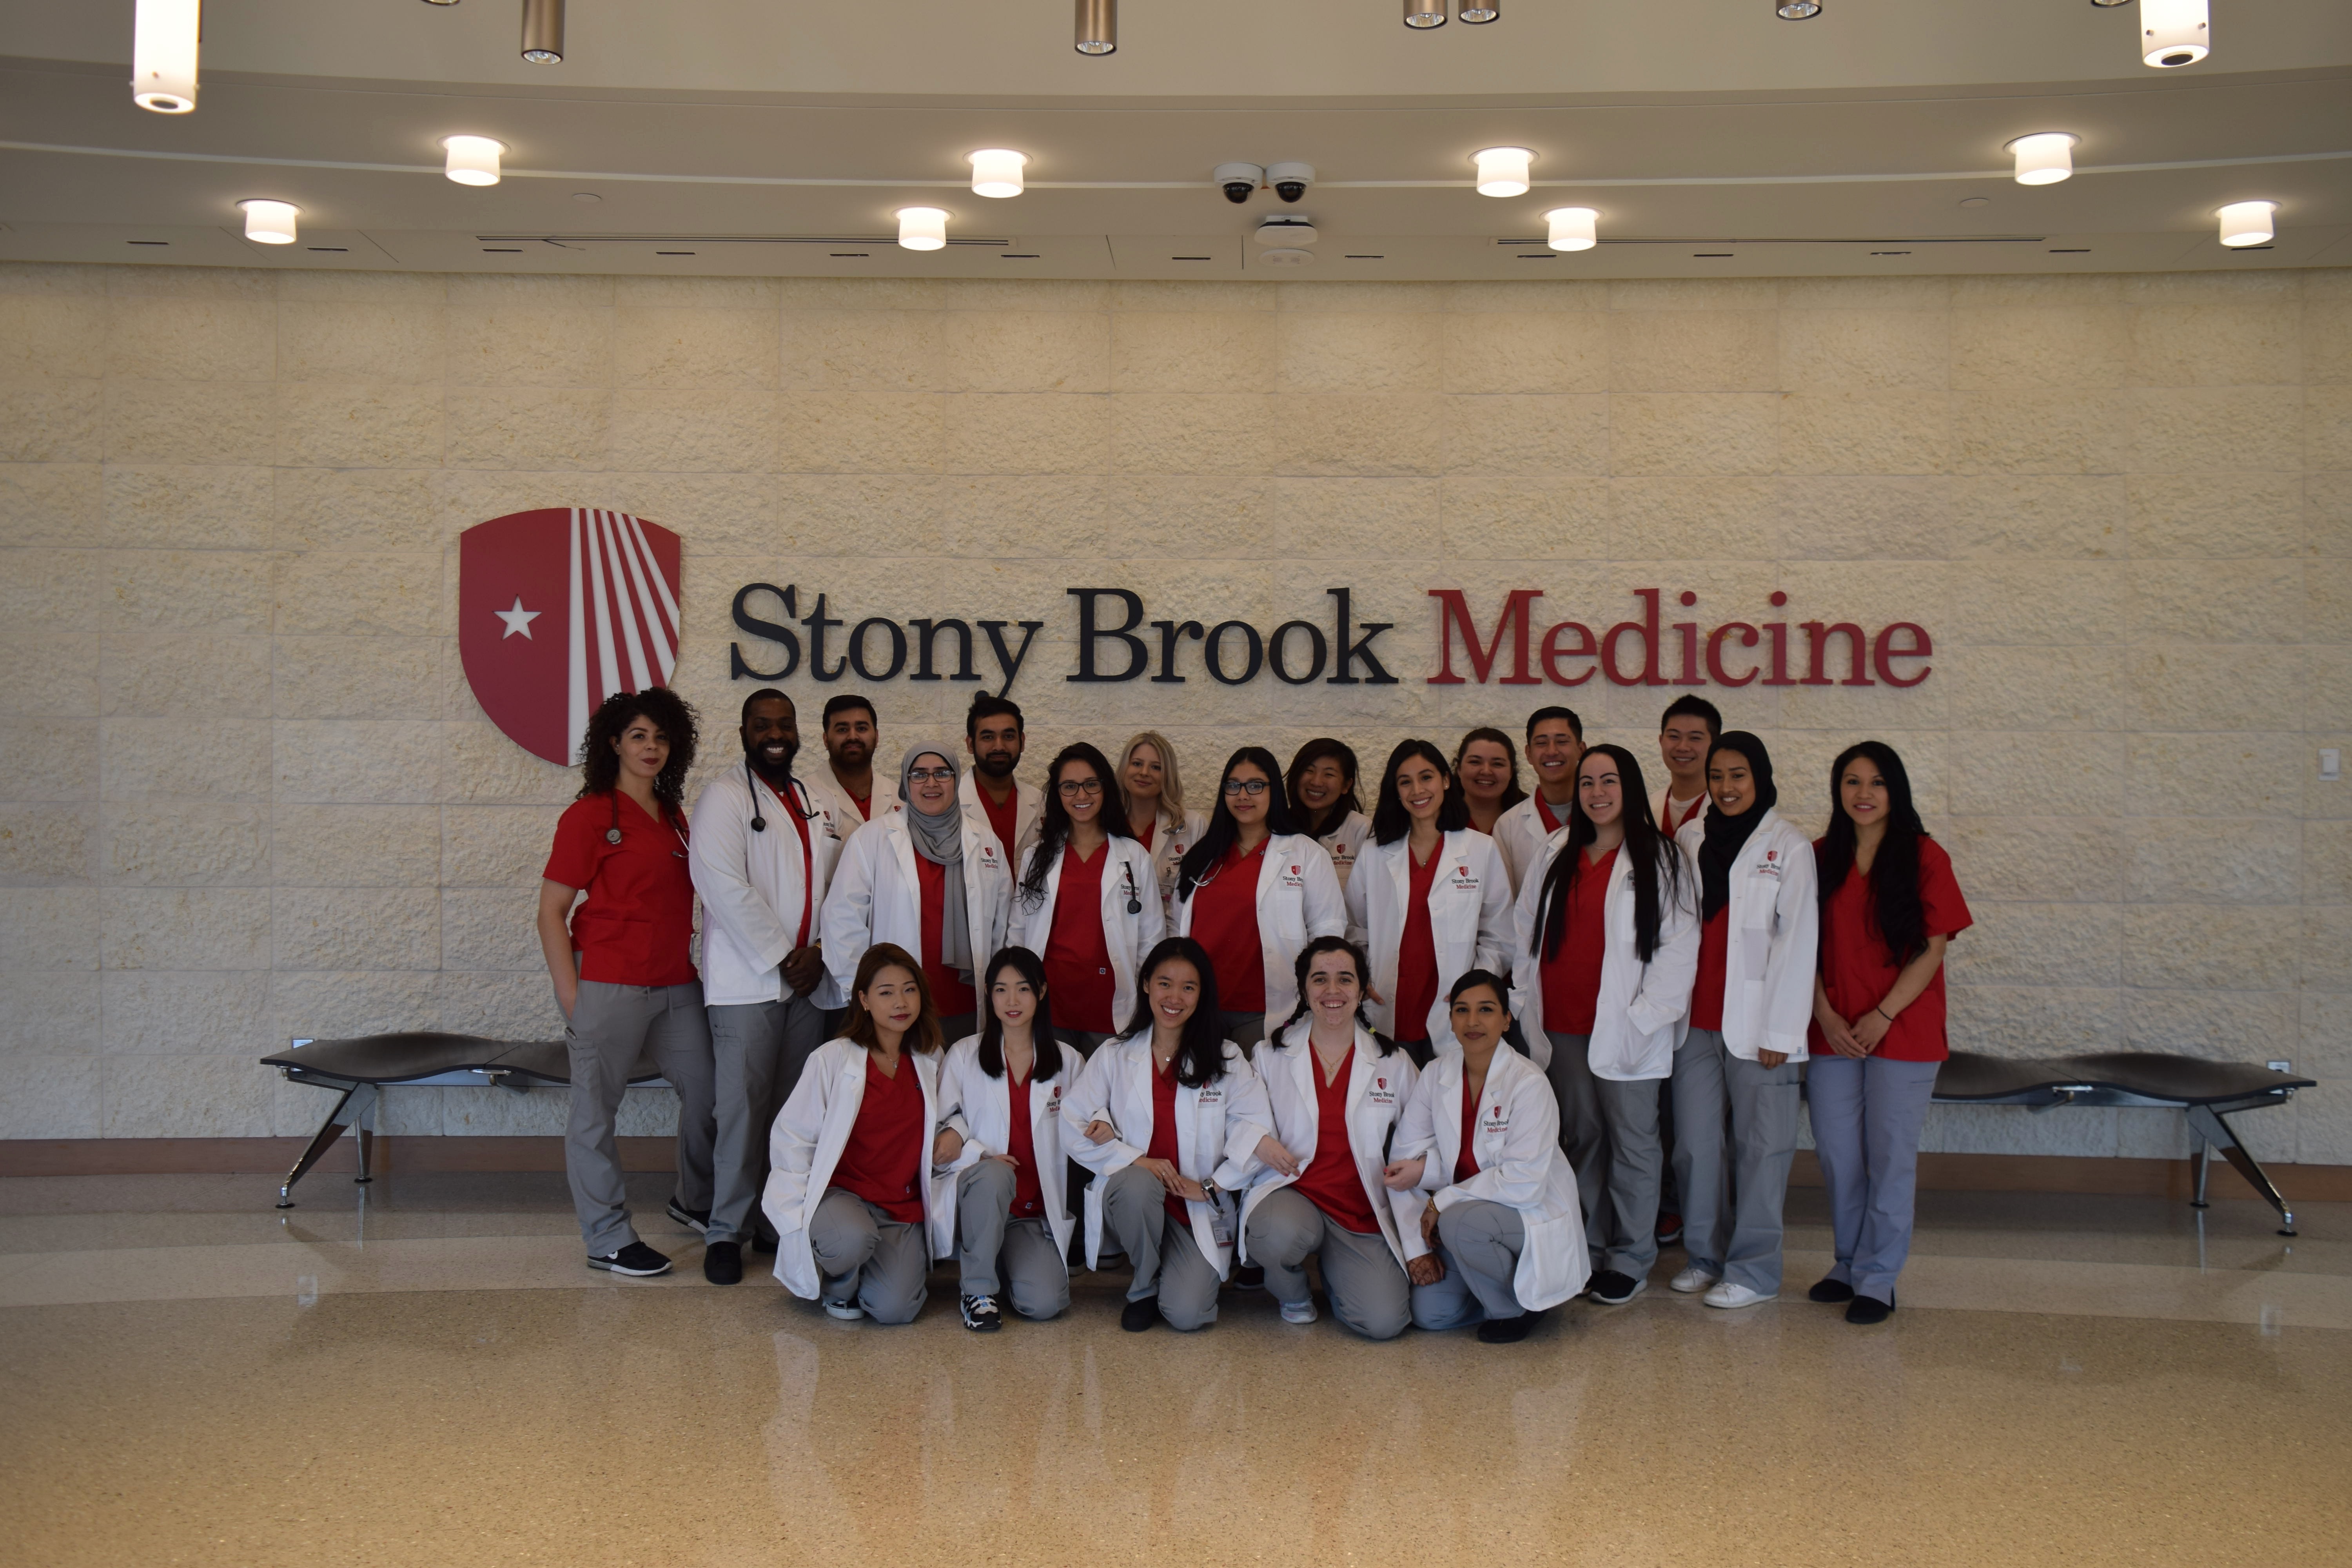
613 834
803 807
1134 899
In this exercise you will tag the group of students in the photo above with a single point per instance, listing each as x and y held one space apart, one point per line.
1437 1047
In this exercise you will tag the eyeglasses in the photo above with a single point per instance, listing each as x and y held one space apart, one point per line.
1251 787
930 776
1072 789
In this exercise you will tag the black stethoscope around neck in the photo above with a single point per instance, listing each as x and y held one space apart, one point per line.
803 807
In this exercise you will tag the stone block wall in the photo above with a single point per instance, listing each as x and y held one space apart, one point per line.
249 796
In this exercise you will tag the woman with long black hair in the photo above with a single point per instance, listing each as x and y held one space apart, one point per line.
1322 786
1167 1119
1254 891
1890 906
1488 763
1430 898
623 973
1086 902
1607 946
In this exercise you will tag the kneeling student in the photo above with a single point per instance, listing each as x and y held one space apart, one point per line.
1335 1089
849 1187
1001 1093
1502 1237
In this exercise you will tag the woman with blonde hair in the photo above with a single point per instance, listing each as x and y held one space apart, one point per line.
1152 792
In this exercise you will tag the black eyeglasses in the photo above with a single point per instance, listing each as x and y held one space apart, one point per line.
1071 789
1251 787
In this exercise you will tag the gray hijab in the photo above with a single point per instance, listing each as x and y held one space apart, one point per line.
940 840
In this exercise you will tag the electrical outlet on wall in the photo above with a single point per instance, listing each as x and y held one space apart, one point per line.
2331 764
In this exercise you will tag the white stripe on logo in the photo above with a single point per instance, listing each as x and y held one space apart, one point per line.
577 707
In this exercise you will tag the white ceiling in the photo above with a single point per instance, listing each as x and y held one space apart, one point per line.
1713 137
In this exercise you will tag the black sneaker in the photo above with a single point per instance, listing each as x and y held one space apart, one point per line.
695 1220
1611 1288
980 1314
1831 1292
722 1263
1139 1315
1506 1330
1249 1277
1868 1310
763 1238
637 1260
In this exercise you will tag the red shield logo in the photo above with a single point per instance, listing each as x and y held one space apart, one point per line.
557 610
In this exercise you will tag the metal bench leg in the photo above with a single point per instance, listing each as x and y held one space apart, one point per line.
2209 1125
2201 1163
366 1123
323 1140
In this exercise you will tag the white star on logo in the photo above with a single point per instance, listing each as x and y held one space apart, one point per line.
518 619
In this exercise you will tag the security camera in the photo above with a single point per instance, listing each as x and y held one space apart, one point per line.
1290 180
1238 181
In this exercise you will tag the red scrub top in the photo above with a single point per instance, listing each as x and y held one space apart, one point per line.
1706 995
1163 1145
883 1159
1416 979
1077 953
634 927
1330 1180
1571 979
950 995
1001 818
1225 920
1143 834
1857 970
1465 1164
1028 1197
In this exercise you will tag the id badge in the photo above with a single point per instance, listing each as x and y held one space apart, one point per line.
1221 1218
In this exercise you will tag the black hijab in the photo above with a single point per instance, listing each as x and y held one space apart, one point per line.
1727 835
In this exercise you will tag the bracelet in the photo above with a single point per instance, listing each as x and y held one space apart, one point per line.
1883 1014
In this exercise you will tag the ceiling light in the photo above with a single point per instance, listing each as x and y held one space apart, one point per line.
2247 223
1477 11
1503 170
996 171
473 160
1797 10
542 32
2172 32
2044 158
269 223
2109 5
922 229
1572 228
1423 14
440 1
163 56
1098 26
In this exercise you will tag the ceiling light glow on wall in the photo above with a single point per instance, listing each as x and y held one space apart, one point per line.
269 223
1098 27
1477 12
542 32
922 229
2173 33
164 54
1572 228
1422 15
473 160
1797 10
2247 223
996 171
1503 170
2044 158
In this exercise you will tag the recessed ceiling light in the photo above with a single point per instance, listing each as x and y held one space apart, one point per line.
1976 201
2044 158
2247 223
1477 12
922 229
1572 228
269 222
2173 33
1098 27
164 36
473 160
1422 15
1797 10
996 171
1502 171
542 32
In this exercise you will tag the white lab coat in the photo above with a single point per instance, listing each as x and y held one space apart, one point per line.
805 1144
1028 810
877 896
1377 1088
1169 839
1520 1166
827 791
1774 931
1658 806
1217 1129
1345 843
1127 877
981 1109
752 885
1469 918
1641 1005
1298 899
1521 837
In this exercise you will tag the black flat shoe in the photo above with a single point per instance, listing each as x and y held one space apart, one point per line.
1139 1315
1868 1310
722 1263
1829 1292
1506 1330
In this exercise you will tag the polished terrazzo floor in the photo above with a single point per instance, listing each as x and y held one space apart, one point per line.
429 1376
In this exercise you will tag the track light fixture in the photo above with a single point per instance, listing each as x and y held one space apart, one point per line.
996 171
2247 223
1098 26
1503 170
2173 33
164 54
1572 228
2044 158
1797 10
922 229
1422 15
473 160
542 32
267 222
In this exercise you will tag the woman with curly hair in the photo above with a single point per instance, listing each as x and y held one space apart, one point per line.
623 973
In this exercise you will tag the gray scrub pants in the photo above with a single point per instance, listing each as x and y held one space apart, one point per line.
999 1255
1731 1209
758 1049
1867 1116
612 1028
1479 1243
1583 1134
1368 1288
1168 1260
860 1250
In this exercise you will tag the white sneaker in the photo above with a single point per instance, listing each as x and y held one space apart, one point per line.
1728 1294
1692 1279
847 1311
1299 1311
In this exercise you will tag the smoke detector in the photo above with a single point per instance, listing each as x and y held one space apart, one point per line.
1287 230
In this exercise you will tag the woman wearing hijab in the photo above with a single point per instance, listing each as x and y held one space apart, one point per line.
1758 927
929 878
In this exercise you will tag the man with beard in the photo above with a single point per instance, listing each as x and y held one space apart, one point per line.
762 857
992 729
847 783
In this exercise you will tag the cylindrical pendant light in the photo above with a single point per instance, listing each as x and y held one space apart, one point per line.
1477 12
473 160
1797 10
1503 170
2247 223
2173 32
1098 26
2044 158
542 32
996 171
164 34
267 222
1422 15
922 229
1572 228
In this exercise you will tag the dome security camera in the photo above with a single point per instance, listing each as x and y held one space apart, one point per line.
1238 181
1290 180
